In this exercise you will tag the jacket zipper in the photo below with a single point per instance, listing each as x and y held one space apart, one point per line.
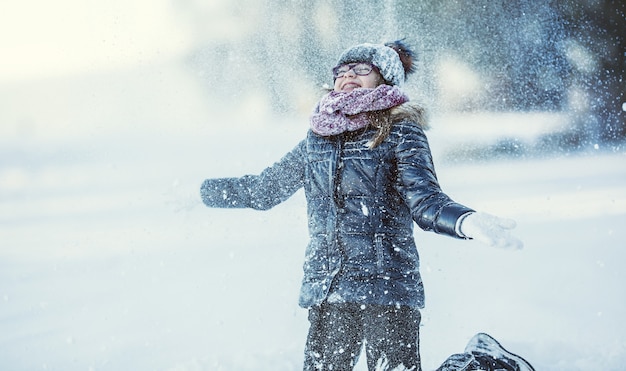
378 245
335 173
332 223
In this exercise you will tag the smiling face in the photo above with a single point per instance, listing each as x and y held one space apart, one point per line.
349 80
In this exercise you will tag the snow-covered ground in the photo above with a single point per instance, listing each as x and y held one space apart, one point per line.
104 265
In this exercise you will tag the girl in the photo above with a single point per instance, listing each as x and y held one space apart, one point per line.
368 175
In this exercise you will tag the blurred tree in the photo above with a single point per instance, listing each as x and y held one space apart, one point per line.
527 55
512 45
596 31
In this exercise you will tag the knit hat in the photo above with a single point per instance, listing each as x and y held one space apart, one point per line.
394 59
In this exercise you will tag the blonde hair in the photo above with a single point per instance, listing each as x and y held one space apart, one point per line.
384 120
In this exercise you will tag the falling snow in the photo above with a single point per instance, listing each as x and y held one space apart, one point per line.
108 261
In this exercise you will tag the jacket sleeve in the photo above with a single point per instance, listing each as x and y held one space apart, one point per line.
272 186
431 209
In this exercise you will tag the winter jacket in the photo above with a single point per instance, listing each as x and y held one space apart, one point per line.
361 205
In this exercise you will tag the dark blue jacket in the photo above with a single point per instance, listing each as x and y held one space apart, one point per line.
361 206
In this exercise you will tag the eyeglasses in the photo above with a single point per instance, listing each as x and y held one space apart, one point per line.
361 69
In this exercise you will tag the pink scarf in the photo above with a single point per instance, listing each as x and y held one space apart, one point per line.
338 112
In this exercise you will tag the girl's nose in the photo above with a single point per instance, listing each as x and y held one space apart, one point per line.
350 73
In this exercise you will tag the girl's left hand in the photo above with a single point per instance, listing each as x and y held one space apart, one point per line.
490 230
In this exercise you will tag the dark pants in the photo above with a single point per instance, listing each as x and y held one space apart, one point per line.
338 332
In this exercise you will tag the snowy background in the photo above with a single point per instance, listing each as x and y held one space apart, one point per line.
108 262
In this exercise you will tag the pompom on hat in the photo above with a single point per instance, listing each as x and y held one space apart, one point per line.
394 59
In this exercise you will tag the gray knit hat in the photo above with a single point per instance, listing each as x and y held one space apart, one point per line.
394 60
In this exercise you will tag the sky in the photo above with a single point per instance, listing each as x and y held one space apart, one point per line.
56 38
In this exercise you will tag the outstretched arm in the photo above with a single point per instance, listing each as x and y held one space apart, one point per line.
431 208
434 210
264 191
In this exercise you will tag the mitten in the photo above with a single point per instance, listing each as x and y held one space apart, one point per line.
490 230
